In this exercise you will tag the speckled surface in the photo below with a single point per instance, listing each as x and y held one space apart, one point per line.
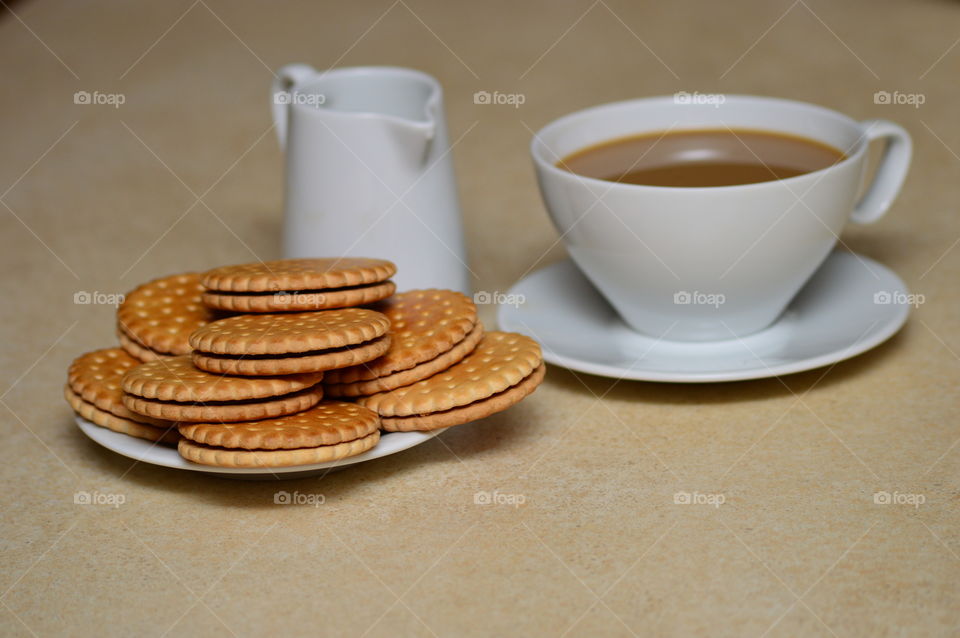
584 537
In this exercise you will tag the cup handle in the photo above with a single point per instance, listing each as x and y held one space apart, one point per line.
284 81
890 173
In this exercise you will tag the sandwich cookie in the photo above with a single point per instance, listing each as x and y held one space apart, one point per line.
93 391
174 389
155 320
329 431
430 330
291 285
504 368
270 344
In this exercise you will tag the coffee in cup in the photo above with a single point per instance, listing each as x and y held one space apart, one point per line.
701 158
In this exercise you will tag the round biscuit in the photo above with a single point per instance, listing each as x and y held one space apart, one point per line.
500 360
299 301
423 325
298 274
222 457
226 412
319 361
472 412
327 423
177 379
284 334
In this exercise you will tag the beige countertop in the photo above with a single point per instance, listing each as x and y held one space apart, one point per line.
186 174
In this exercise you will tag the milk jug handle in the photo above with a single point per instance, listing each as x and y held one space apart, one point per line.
285 80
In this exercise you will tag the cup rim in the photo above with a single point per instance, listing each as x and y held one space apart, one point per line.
537 144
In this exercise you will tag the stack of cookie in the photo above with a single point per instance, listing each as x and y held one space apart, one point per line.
248 394
441 369
241 357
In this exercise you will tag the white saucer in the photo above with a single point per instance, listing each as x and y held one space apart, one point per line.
834 317
167 456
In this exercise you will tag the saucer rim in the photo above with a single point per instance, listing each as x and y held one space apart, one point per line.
875 338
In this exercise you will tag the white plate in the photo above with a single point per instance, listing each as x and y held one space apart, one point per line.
167 456
834 317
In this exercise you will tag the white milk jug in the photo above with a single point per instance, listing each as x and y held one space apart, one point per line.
369 171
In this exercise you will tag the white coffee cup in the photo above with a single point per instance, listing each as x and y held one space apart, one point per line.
711 263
